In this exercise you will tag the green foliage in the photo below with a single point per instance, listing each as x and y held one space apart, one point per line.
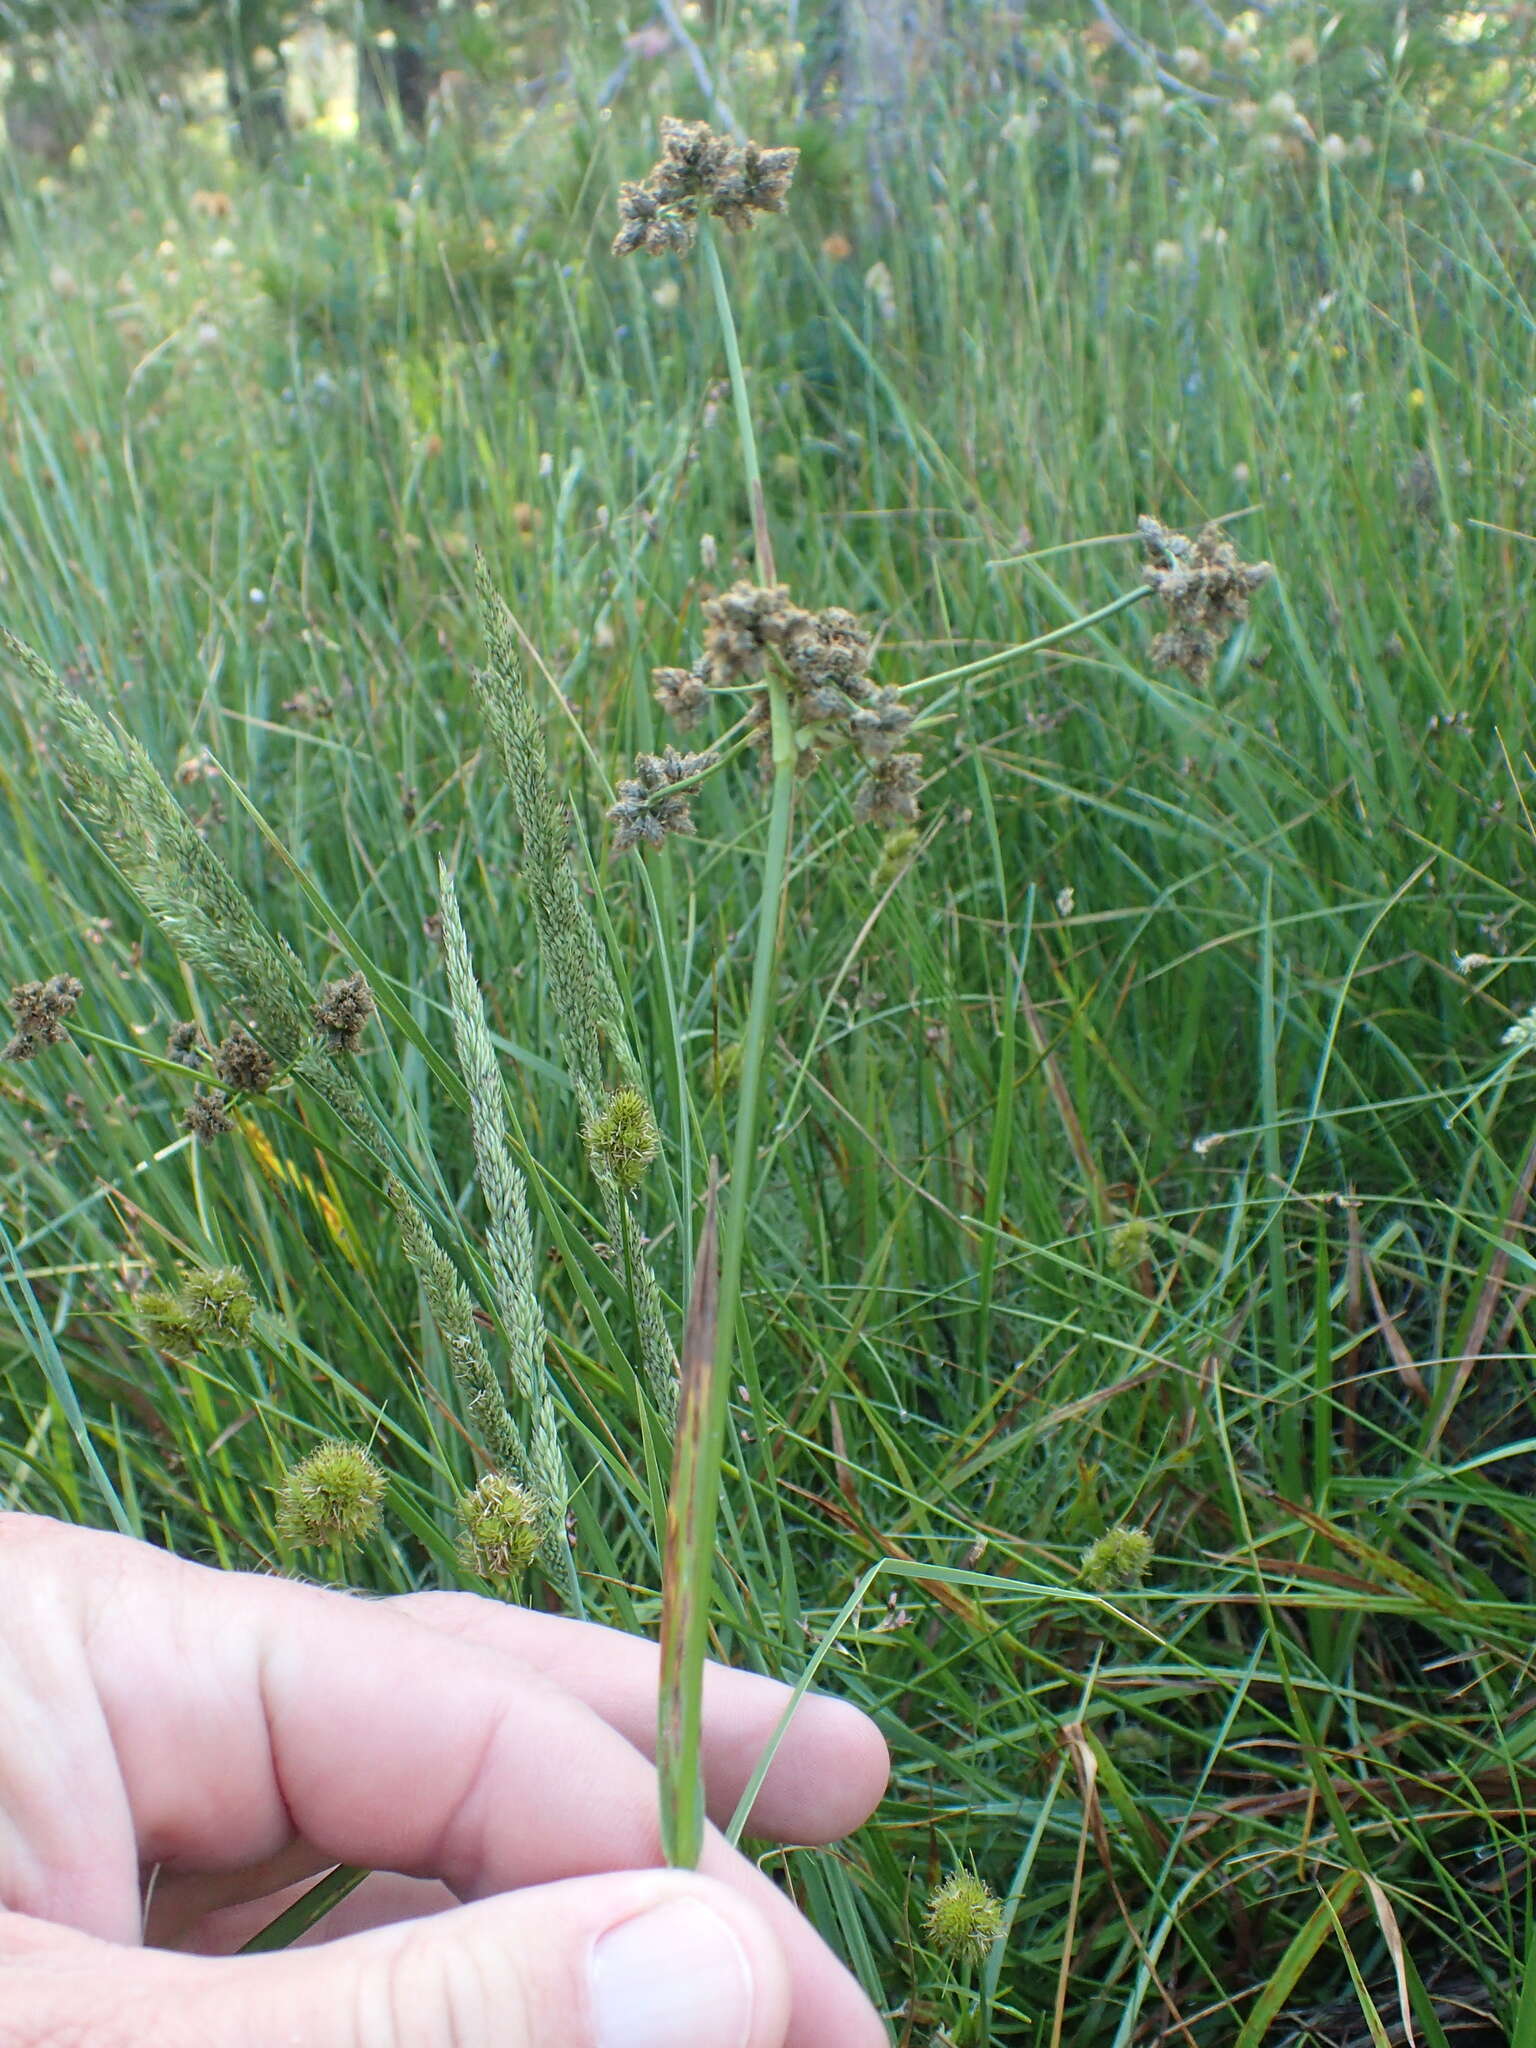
1138 1148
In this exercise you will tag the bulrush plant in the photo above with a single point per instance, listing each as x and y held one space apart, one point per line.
798 680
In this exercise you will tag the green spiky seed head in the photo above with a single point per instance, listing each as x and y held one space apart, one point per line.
1129 1244
164 1319
331 1499
963 1919
896 851
622 1138
218 1304
503 1523
1116 1560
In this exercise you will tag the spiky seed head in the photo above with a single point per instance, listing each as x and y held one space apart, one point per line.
651 804
184 1045
1206 589
622 1137
331 1499
964 1917
896 850
206 1116
1129 1243
1117 1560
888 795
166 1322
503 1524
40 1008
242 1064
218 1304
342 1011
682 693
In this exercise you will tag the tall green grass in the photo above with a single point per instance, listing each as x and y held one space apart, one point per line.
1142 1152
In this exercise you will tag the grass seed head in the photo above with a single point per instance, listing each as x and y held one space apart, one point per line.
964 1917
217 1303
207 1116
683 693
243 1065
879 727
331 1499
622 1138
342 1012
741 626
700 172
1205 588
503 1525
1129 1243
184 1045
166 1322
1117 1560
888 795
40 1008
650 805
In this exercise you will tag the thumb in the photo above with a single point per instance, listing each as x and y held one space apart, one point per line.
644 1959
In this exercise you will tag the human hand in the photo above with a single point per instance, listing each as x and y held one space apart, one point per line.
235 1734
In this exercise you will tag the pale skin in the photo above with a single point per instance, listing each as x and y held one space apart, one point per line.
216 1738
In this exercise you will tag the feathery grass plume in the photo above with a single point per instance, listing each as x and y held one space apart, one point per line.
331 1499
453 1312
963 1918
191 894
589 1017
509 1234
505 1528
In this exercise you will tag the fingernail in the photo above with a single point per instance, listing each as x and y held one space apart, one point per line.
676 1977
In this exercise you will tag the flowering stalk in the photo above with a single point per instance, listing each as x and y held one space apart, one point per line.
685 1625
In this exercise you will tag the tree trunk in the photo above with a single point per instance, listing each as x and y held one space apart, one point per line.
887 45
396 77
254 80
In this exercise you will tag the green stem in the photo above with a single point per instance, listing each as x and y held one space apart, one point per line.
681 1725
762 539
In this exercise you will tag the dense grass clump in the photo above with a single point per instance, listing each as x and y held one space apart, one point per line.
1131 1398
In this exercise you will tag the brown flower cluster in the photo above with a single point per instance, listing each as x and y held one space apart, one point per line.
342 1011
651 804
1206 589
700 172
207 1116
243 1065
40 1008
184 1045
824 659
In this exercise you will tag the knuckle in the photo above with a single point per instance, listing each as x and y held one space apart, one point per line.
449 1993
